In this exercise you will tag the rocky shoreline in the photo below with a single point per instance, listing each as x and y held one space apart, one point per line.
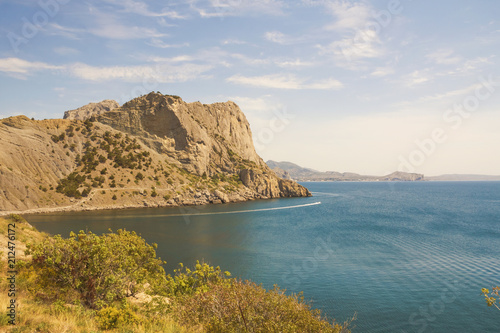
199 199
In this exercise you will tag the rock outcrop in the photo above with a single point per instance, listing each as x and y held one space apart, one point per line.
155 150
91 110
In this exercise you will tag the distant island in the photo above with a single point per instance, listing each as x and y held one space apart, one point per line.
288 170
154 151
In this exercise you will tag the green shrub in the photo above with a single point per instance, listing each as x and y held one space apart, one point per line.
16 218
246 307
97 269
111 317
187 281
69 185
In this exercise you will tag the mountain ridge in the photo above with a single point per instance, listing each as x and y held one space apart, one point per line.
155 150
298 173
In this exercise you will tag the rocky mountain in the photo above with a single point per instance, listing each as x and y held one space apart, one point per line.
91 109
298 173
155 150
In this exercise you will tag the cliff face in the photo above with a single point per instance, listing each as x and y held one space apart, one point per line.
204 138
91 109
155 150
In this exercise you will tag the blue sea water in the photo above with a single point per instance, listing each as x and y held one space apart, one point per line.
402 256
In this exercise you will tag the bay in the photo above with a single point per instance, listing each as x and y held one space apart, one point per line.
403 256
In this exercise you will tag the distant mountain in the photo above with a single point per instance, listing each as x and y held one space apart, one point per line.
457 177
293 171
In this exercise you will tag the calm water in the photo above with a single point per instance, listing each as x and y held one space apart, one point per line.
406 257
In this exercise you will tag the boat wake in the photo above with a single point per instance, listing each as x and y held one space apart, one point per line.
191 210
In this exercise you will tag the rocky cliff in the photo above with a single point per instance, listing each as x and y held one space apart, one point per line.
91 109
155 150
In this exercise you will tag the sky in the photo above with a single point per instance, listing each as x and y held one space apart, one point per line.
335 85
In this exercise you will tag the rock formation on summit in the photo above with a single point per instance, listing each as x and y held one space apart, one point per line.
91 109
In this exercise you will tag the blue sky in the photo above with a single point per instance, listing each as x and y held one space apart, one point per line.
359 86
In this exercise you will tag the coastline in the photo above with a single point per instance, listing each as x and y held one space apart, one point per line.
190 202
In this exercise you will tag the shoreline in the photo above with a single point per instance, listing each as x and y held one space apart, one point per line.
64 209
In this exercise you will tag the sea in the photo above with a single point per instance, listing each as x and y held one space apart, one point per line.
397 256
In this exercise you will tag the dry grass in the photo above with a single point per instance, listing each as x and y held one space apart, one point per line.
34 316
24 232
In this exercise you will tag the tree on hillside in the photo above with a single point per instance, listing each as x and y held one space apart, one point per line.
97 269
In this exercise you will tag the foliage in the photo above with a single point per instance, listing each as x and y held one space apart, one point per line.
491 298
239 306
111 317
69 185
57 138
187 281
98 269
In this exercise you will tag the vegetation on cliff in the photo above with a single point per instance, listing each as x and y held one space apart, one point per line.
91 283
155 150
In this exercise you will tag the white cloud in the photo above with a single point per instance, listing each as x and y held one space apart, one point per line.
328 84
115 30
65 51
233 41
176 59
473 64
268 81
451 94
284 81
417 77
276 37
297 63
368 45
159 73
141 8
59 30
358 33
250 61
444 57
20 66
349 15
106 26
157 42
382 71
218 8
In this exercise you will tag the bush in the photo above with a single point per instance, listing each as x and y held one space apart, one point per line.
187 282
246 307
111 317
69 185
97 269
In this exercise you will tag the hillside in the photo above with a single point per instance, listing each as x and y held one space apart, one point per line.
293 171
155 150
